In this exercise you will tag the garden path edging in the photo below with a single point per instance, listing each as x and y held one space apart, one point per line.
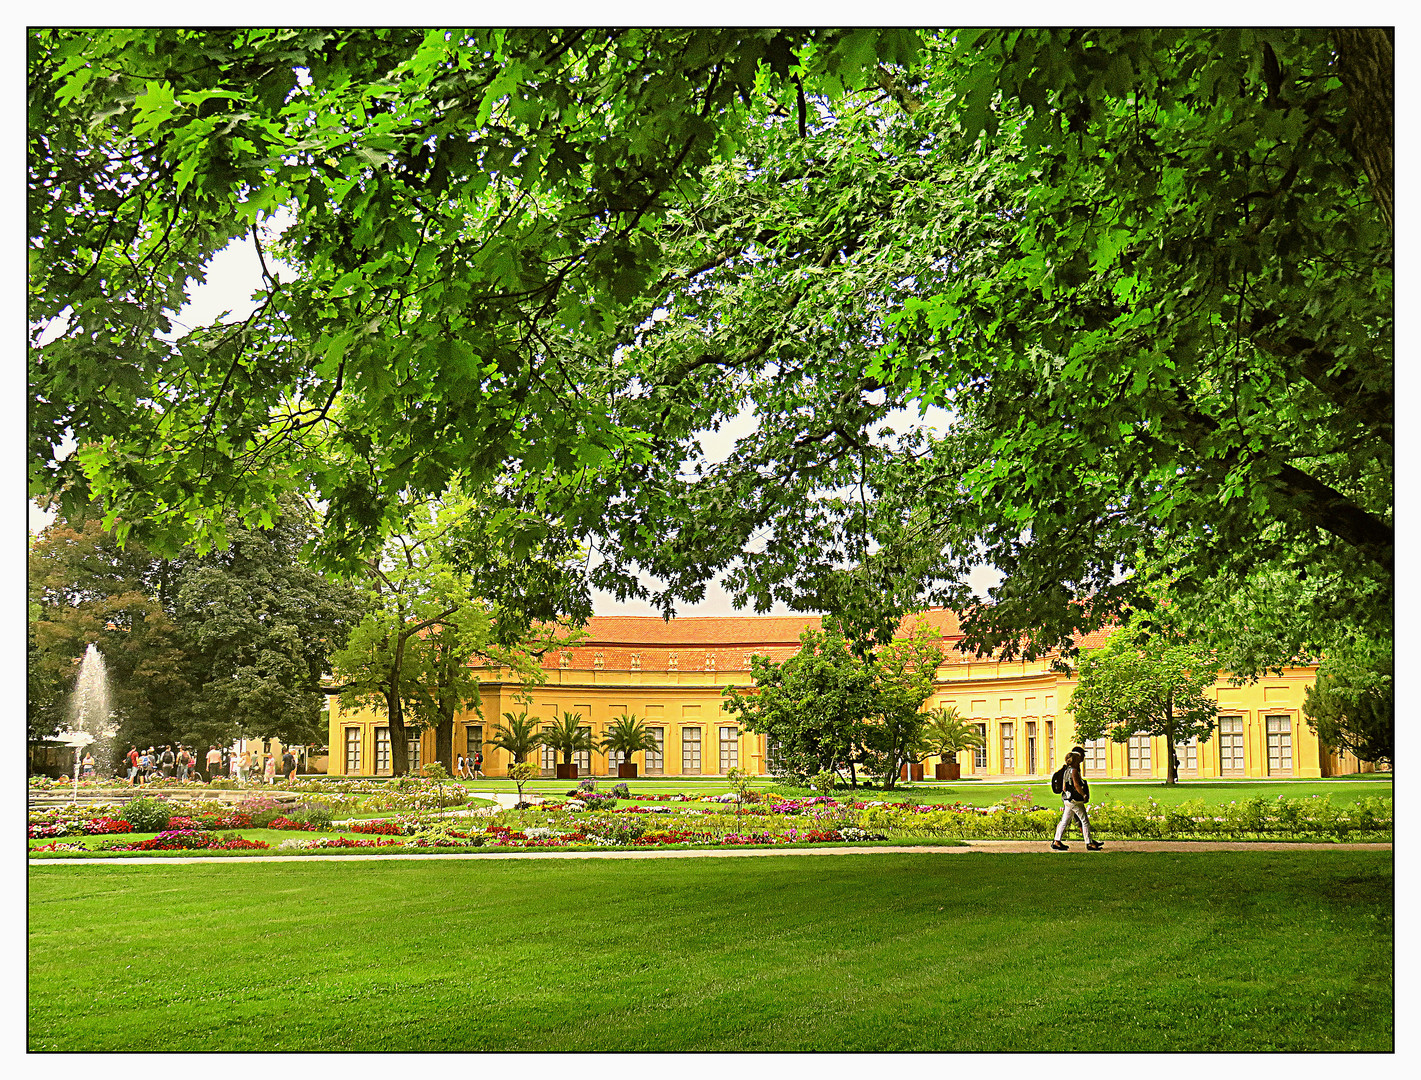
1003 847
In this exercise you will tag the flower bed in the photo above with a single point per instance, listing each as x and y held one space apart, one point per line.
103 826
1258 818
387 827
324 842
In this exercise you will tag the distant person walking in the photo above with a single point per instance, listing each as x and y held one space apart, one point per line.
88 764
1075 793
214 761
167 761
270 771
244 765
183 760
133 765
288 765
479 764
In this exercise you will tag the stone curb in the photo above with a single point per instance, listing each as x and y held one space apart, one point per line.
1001 847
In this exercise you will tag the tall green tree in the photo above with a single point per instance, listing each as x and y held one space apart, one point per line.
1147 273
428 628
1101 253
85 588
1352 704
832 707
199 648
812 707
260 625
474 210
903 673
1148 679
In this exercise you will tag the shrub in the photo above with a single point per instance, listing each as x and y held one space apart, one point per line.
618 830
621 791
147 815
315 814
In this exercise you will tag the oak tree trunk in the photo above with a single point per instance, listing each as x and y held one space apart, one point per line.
1366 62
399 744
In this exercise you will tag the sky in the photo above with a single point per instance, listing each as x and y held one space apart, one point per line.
234 274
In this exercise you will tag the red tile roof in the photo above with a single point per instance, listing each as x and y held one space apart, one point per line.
736 630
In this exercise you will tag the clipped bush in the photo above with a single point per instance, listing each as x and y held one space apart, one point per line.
618 830
621 791
316 814
146 814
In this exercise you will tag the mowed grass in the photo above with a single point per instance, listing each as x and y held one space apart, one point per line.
982 952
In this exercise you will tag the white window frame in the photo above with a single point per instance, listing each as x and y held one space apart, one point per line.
382 750
691 760
1139 758
352 751
1279 738
729 749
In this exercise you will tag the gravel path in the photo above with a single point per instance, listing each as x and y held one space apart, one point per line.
1002 847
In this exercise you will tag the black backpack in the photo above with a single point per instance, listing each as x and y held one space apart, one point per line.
1058 780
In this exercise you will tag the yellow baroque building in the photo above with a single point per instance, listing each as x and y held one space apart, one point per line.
671 674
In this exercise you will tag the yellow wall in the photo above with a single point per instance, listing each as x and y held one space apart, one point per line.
990 693
669 700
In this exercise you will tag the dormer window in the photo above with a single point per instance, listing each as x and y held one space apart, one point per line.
710 661
597 662
671 662
565 660
636 661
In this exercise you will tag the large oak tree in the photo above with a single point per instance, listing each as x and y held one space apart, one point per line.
1147 272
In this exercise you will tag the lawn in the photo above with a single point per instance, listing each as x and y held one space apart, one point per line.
1253 951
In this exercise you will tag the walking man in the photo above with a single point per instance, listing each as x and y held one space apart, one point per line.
214 760
133 765
288 765
1075 793
479 764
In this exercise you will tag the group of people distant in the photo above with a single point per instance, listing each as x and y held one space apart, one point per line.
182 762
471 767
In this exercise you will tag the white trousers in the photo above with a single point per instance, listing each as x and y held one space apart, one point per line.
1070 808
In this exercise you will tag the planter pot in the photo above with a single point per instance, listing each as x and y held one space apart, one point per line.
565 772
627 770
903 772
948 770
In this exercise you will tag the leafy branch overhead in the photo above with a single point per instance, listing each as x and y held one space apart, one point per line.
1145 276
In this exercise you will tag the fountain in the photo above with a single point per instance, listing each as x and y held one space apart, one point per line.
90 718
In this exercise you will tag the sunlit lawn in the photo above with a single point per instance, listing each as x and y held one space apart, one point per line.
1343 791
1255 951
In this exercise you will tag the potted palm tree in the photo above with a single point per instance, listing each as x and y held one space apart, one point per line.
567 736
627 736
948 734
519 736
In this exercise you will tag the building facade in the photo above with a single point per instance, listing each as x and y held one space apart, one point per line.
671 676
